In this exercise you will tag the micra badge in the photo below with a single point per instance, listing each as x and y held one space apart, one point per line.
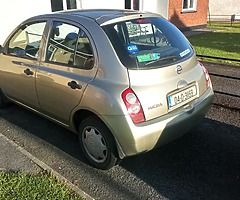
178 69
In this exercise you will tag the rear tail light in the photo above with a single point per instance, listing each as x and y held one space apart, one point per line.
207 77
133 106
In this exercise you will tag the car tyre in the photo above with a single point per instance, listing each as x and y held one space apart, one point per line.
97 143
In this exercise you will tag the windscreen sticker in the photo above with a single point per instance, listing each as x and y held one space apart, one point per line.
132 48
148 57
185 52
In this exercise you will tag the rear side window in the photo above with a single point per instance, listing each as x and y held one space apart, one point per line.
69 45
148 43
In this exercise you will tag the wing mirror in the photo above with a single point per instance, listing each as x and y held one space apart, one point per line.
16 51
1 49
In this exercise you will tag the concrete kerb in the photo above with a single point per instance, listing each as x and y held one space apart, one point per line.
47 168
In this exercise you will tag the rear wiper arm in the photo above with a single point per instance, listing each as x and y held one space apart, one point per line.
162 59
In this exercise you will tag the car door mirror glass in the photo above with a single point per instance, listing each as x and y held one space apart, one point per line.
2 50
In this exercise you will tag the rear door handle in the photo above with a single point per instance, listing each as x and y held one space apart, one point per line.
28 72
74 85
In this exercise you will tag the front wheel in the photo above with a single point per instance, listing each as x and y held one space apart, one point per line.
3 100
97 143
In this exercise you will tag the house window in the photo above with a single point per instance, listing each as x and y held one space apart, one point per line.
127 4
71 4
58 5
136 4
132 4
189 5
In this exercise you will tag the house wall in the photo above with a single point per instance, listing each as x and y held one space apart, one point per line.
156 6
185 20
224 9
13 12
92 4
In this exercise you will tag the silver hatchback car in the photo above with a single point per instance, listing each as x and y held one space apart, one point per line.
125 81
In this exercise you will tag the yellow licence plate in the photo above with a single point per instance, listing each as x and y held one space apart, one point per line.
182 97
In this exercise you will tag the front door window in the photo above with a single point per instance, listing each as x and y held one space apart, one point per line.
26 41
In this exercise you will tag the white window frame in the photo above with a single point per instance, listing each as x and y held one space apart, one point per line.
190 8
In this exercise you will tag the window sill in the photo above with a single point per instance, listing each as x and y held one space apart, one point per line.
188 11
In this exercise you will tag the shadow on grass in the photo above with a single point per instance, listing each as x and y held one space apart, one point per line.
226 42
224 25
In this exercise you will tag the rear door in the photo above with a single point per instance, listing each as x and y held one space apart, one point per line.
65 72
19 64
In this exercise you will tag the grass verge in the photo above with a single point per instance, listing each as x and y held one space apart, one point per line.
19 186
223 42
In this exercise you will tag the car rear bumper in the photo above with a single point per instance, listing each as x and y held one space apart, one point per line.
134 139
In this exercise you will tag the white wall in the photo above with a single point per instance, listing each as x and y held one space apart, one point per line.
108 4
13 12
156 6
224 8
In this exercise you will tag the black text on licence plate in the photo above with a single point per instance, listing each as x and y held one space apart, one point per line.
182 97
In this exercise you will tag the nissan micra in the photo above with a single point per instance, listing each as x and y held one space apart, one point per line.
125 81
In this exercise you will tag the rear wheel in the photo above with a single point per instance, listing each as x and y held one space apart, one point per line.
97 143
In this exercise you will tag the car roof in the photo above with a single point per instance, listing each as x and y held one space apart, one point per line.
99 13
102 16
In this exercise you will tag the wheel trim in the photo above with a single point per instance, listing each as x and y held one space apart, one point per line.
94 144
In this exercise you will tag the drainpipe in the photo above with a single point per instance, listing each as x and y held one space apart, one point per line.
141 5
64 5
79 4
209 16
132 5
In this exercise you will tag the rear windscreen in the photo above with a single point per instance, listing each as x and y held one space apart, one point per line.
148 42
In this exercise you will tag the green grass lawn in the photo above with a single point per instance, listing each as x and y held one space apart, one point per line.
224 41
18 186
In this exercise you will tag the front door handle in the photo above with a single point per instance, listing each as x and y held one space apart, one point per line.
74 85
18 63
28 72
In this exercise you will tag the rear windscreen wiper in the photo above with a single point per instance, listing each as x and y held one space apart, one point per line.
162 59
